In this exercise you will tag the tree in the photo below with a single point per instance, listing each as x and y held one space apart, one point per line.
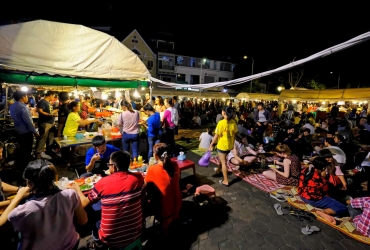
294 78
315 85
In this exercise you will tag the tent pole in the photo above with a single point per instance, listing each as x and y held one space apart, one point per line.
6 101
151 94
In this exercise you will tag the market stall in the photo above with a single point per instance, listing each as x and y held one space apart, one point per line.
257 96
190 94
43 53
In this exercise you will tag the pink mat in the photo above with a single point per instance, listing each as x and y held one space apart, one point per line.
257 180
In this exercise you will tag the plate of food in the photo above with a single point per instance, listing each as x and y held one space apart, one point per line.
90 135
273 166
86 187
92 179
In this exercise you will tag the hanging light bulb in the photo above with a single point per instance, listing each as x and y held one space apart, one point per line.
118 95
136 94
24 89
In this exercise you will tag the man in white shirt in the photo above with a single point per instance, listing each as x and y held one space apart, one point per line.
309 126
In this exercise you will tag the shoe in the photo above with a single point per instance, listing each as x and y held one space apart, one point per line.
278 197
45 156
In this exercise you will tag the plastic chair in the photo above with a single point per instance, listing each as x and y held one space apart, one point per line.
134 245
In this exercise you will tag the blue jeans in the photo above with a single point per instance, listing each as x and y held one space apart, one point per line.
134 140
151 142
327 202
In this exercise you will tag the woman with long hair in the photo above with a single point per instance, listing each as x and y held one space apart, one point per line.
46 220
153 125
313 189
165 175
129 124
291 167
159 104
225 135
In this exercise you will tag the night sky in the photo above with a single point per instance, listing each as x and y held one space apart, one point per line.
273 34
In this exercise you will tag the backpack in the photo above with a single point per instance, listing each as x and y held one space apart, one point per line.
174 116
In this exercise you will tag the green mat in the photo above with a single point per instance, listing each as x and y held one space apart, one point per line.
193 146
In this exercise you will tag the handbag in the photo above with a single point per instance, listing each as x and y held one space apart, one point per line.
205 160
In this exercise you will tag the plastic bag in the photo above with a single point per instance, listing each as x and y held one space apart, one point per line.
204 161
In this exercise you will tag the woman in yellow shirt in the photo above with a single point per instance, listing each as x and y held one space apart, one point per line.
74 120
225 134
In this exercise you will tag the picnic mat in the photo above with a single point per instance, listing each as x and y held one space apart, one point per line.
345 224
251 176
192 144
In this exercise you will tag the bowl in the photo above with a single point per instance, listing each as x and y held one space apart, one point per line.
306 162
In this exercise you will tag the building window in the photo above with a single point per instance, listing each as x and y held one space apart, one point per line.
150 65
166 62
166 79
180 77
232 67
179 60
225 66
194 79
215 65
136 52
209 79
192 62
223 79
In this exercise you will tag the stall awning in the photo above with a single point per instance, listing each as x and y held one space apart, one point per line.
67 50
358 94
46 80
257 96
190 94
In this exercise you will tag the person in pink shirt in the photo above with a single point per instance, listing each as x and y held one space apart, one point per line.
168 124
129 122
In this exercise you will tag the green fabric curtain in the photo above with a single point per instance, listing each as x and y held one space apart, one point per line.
67 81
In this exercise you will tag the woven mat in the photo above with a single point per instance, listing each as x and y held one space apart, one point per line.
345 224
193 146
252 176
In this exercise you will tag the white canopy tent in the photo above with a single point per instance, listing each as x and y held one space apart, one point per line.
70 50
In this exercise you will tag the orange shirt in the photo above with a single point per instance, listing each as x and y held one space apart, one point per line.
171 199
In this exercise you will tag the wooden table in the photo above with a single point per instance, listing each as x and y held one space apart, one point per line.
73 141
183 165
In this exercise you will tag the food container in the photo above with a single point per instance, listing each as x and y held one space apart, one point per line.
90 135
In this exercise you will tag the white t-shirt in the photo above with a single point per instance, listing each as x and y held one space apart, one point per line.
197 119
310 127
205 140
218 118
261 116
339 156
366 161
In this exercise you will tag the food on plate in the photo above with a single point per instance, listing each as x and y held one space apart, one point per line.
92 179
86 187
80 181
273 166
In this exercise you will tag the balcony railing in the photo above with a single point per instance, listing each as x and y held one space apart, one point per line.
166 67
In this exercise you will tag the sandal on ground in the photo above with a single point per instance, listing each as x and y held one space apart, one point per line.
278 197
309 230
278 209
221 182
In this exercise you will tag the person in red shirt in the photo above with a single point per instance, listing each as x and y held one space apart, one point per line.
120 195
165 175
313 189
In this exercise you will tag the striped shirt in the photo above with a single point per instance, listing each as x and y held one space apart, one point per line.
121 219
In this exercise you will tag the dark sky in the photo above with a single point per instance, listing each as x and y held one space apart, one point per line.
273 34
